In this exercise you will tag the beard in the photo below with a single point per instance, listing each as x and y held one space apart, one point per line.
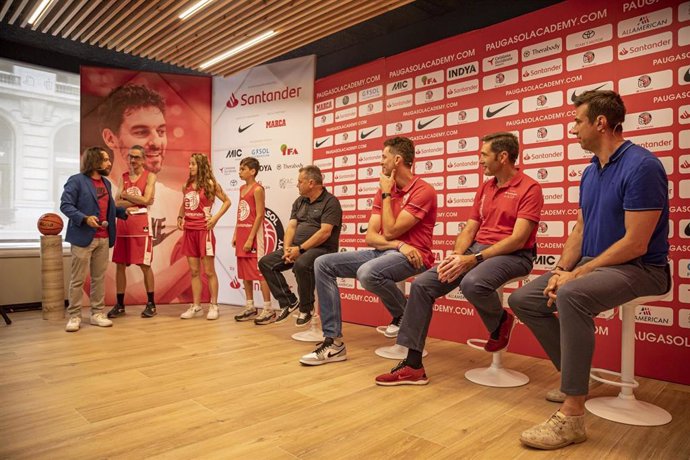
103 172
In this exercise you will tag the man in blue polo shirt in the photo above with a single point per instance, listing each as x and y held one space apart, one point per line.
617 251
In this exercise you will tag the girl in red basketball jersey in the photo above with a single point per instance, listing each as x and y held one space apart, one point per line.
196 220
248 242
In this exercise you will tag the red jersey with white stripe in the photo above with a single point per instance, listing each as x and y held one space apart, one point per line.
246 215
197 208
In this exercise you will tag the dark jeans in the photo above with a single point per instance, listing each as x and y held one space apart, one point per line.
272 265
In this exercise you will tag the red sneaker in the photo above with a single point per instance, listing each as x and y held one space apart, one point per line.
402 374
504 330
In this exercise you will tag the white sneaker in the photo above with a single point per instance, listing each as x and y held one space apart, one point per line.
73 324
99 319
326 352
212 312
192 311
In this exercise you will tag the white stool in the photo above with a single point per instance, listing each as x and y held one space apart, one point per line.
624 408
495 375
313 334
396 352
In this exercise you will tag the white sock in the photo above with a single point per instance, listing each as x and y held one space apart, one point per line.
250 304
267 305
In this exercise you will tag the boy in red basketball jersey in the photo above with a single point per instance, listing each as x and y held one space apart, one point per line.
134 241
248 242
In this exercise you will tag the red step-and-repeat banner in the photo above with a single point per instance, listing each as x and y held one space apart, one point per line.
521 76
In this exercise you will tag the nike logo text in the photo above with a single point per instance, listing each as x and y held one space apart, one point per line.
240 129
421 125
320 143
490 113
365 135
574 95
362 229
331 354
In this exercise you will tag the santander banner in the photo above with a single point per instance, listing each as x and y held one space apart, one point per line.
521 76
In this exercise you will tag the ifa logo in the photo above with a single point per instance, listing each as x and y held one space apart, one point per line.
288 150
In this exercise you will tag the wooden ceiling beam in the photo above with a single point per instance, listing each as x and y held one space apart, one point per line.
80 19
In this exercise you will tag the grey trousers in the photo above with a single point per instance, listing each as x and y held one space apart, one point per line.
568 338
477 285
95 256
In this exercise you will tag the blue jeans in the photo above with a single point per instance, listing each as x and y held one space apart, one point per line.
378 271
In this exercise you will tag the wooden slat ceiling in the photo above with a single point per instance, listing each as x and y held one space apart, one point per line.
152 29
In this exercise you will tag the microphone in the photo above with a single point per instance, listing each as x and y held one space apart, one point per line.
104 224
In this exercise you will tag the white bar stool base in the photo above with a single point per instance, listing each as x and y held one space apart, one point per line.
313 334
628 411
497 377
396 351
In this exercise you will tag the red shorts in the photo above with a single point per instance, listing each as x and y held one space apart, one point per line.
248 268
133 243
198 243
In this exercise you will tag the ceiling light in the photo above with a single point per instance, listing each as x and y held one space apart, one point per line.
39 11
237 49
194 8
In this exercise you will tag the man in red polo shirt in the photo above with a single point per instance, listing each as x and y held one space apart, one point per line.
400 229
495 246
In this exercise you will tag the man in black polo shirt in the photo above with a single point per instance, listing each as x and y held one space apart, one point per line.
313 230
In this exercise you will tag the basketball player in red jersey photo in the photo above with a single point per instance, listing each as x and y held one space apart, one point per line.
248 242
197 222
134 241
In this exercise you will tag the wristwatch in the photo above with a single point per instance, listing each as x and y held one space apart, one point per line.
301 249
385 195
479 257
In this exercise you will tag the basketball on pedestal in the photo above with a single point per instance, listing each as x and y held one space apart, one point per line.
50 224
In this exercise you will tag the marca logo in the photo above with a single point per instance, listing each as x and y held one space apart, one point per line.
345 174
345 160
684 114
370 108
576 152
589 58
575 172
589 37
542 69
429 95
462 89
646 45
500 60
346 114
234 153
501 109
373 156
422 124
460 200
367 188
365 204
462 181
428 150
543 134
462 71
263 97
430 79
545 261
370 93
397 103
646 82
400 127
500 79
553 195
542 101
648 119
660 316
322 120
346 137
429 166
546 175
275 123
551 229
370 132
369 172
464 144
323 106
553 153
323 142
543 49
656 142
604 85
400 86
645 23
462 117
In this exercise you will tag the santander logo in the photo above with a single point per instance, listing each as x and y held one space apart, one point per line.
232 101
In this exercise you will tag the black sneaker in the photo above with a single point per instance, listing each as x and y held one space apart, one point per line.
149 311
117 310
246 314
285 312
303 319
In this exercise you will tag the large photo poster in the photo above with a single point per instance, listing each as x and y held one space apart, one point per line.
522 76
170 117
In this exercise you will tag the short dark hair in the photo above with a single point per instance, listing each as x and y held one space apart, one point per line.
501 141
312 172
251 163
91 159
401 146
606 103
112 111
139 148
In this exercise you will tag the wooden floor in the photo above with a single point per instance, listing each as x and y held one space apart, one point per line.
169 388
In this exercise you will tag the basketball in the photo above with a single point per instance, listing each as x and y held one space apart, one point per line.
50 224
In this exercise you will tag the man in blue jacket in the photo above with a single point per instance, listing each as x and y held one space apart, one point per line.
88 203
